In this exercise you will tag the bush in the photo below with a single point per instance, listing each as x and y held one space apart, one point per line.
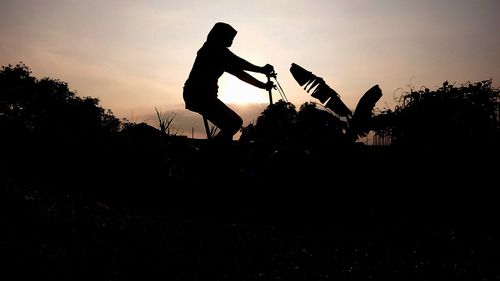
451 116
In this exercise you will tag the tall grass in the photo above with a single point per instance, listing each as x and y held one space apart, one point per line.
165 121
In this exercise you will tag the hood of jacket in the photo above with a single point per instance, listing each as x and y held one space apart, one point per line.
221 34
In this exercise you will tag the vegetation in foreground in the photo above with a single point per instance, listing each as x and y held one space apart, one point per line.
86 195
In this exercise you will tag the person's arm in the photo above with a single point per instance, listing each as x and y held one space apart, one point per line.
266 69
245 65
242 75
239 63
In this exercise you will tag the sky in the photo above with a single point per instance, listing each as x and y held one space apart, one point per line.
136 55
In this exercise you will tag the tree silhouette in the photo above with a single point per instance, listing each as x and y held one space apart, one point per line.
47 108
51 135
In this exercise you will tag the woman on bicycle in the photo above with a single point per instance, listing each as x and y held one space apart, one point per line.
212 60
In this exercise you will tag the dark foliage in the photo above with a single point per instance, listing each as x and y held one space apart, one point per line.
320 90
357 125
51 135
318 125
362 121
277 120
310 125
85 196
46 108
451 116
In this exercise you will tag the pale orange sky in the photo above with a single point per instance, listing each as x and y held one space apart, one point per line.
136 55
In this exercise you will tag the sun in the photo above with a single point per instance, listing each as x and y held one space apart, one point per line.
233 90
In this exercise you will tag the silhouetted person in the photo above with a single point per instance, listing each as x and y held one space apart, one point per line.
212 60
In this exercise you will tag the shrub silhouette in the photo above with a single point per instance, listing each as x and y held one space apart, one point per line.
281 122
317 125
451 116
277 121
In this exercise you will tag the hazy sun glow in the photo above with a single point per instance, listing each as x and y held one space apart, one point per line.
234 91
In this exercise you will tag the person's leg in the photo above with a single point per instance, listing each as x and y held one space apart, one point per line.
228 121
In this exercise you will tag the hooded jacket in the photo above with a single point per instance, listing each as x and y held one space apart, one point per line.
212 60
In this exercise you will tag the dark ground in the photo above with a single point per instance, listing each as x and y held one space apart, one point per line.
356 214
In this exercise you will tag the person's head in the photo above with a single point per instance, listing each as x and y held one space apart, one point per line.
222 34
